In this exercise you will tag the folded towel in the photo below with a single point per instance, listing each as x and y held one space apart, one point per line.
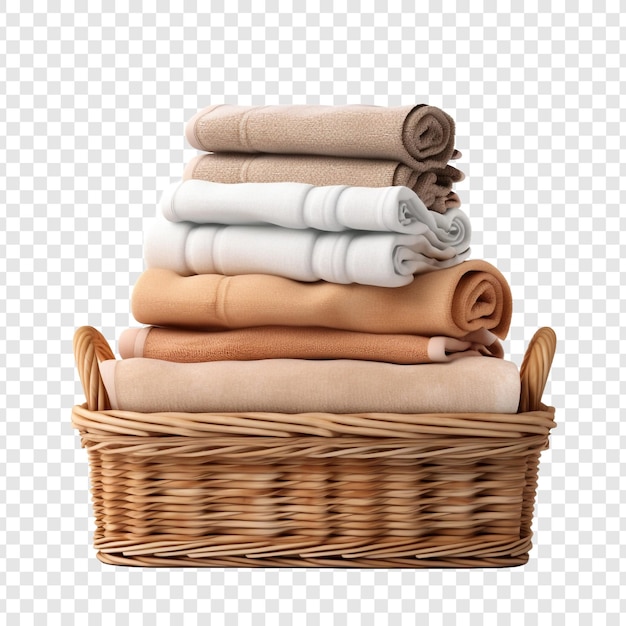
450 302
434 187
419 136
383 259
299 386
289 342
331 208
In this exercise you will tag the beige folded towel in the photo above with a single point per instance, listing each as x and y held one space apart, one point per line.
299 386
434 188
421 136
290 342
451 302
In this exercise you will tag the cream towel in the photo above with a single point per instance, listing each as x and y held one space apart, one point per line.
298 386
381 259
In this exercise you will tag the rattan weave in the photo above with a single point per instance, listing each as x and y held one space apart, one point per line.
316 489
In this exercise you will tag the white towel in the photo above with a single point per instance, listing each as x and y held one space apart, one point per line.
380 259
298 205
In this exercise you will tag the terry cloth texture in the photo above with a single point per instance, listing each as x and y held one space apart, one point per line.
367 258
331 208
451 302
298 386
290 342
434 187
421 136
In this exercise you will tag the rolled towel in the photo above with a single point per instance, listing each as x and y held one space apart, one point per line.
300 386
419 136
332 208
435 189
382 259
289 342
432 186
450 302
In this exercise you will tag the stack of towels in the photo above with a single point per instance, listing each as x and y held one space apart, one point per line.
315 261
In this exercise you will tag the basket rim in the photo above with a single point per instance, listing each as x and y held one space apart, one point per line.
386 425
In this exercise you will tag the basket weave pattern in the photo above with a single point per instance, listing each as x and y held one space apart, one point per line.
317 489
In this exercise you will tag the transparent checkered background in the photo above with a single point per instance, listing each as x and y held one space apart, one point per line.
92 111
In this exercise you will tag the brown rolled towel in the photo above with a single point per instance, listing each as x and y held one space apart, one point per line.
434 188
450 302
290 342
421 136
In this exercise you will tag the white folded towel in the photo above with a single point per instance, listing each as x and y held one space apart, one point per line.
298 205
368 258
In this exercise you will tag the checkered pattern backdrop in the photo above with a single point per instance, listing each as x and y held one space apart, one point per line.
92 108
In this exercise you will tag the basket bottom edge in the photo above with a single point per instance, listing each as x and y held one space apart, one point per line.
119 559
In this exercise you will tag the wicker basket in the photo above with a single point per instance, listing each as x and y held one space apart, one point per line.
313 490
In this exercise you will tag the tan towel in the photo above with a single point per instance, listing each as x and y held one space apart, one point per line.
434 188
299 386
289 342
451 302
419 136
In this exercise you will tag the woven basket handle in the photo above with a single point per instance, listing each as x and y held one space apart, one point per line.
535 369
89 348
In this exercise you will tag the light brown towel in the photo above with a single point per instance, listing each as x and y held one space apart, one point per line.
289 342
300 386
434 187
451 302
421 136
